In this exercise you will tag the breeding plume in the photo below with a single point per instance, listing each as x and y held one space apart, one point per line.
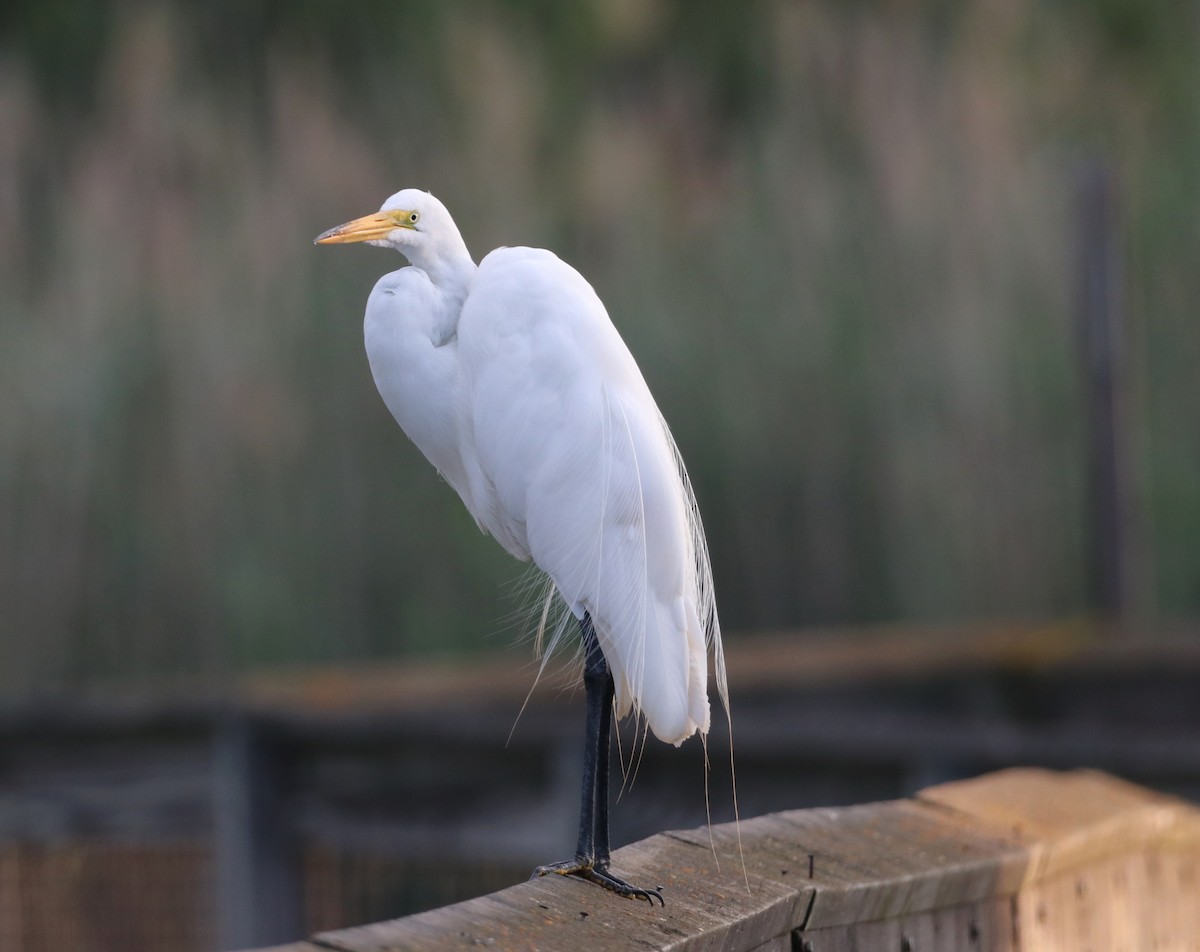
511 379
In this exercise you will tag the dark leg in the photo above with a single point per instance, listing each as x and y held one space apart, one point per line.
602 752
592 852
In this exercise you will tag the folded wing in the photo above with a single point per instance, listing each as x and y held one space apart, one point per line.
571 464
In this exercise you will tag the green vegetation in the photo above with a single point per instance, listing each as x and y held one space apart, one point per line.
839 238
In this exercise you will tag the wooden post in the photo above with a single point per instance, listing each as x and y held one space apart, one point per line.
1103 358
258 877
12 907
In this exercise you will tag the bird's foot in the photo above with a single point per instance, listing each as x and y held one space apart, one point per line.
593 873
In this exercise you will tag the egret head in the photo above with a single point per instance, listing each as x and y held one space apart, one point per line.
413 222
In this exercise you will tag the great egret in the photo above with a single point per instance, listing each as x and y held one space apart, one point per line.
511 379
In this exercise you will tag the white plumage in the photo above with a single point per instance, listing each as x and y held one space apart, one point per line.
511 379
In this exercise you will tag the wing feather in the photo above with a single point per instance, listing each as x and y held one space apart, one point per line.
571 463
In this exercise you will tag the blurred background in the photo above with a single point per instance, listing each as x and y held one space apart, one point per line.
915 283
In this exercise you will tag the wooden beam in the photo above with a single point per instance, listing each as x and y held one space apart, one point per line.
1021 861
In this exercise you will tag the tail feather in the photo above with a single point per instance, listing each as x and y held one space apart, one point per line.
705 606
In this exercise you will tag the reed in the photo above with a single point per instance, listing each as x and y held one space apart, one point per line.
839 239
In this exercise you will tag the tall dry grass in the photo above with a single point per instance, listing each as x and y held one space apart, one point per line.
840 240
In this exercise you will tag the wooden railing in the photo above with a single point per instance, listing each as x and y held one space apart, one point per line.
1020 860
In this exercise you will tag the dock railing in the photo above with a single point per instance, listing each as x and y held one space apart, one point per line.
1021 860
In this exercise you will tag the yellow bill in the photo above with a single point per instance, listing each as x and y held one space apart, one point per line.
377 225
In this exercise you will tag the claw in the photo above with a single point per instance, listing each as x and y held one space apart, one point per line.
581 869
602 877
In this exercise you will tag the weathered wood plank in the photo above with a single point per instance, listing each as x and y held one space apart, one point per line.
781 943
1069 819
1111 865
971 926
1021 861
706 909
874 861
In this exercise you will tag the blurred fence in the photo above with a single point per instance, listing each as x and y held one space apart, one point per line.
316 801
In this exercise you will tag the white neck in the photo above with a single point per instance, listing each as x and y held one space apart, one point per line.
447 262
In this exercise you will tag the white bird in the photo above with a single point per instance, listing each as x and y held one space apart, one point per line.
511 379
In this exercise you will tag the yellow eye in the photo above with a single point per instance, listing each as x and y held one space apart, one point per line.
413 217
